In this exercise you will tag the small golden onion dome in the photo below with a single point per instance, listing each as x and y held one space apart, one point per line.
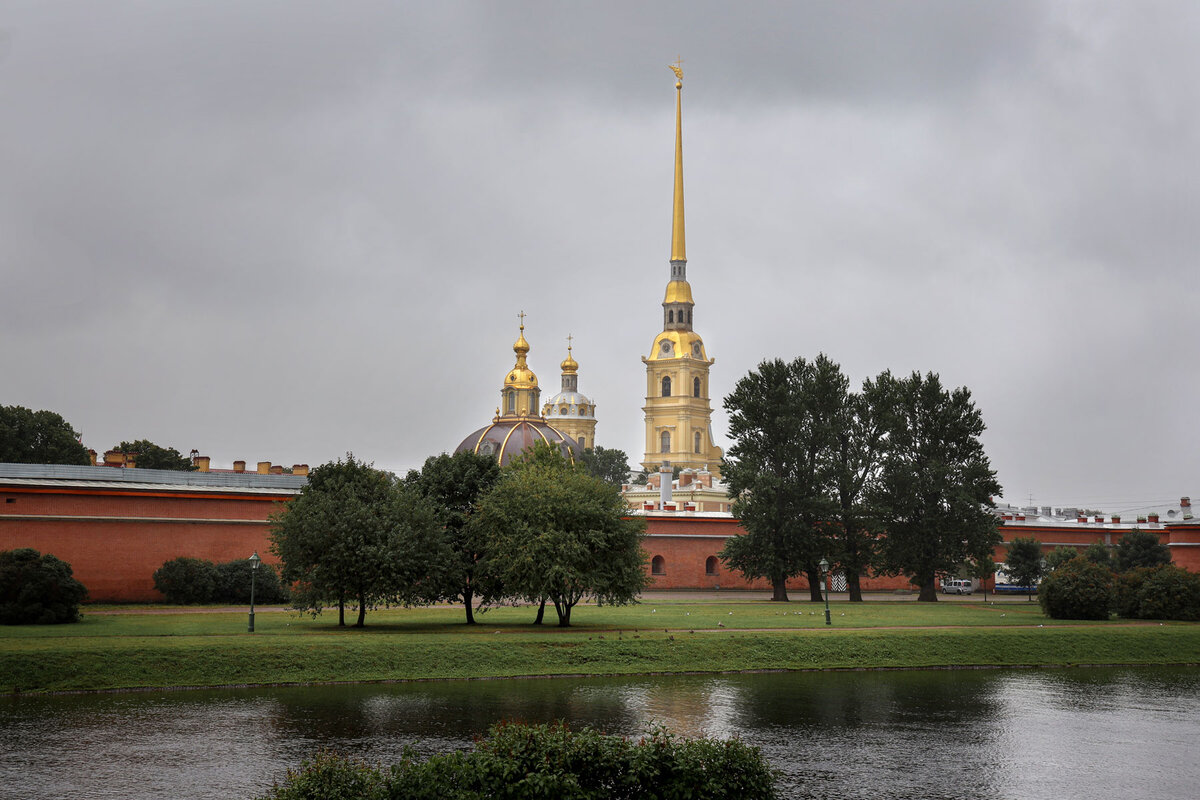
679 292
520 346
569 364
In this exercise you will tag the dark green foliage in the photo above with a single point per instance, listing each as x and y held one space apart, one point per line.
187 580
38 437
1099 553
355 534
1162 592
553 532
151 456
1059 556
1079 589
608 464
1023 562
782 420
523 762
233 583
936 483
453 486
1140 548
37 589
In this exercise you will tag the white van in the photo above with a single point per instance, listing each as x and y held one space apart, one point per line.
958 586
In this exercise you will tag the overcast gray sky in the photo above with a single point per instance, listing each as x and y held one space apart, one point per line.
284 230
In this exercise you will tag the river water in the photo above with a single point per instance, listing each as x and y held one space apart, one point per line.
1028 734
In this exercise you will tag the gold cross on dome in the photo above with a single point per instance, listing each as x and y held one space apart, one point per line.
569 338
521 316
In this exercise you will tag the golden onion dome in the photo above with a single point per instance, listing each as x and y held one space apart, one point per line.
679 292
521 376
569 364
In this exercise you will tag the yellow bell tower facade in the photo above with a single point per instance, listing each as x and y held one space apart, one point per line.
678 410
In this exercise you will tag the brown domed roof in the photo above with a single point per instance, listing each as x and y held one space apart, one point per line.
507 438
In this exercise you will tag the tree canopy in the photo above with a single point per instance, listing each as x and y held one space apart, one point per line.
555 532
608 464
936 483
1023 563
37 589
152 456
1140 548
39 437
354 533
454 485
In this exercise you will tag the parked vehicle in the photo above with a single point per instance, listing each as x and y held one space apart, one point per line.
958 586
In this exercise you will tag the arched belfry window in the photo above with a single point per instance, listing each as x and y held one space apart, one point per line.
658 566
696 442
670 316
665 442
666 386
695 387
512 402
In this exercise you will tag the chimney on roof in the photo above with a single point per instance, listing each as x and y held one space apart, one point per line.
686 477
300 469
92 456
1185 503
277 469
202 463
264 468
664 478
239 466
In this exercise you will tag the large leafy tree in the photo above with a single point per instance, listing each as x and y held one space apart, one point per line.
781 418
453 485
38 437
153 456
1024 563
37 589
936 483
1140 548
556 532
608 464
355 534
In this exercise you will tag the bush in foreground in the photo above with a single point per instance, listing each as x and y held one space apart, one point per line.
37 589
233 584
1079 589
519 761
187 580
1162 592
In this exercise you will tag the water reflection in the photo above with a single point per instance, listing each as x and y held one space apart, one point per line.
1101 733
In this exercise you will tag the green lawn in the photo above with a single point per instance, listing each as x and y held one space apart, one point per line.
130 650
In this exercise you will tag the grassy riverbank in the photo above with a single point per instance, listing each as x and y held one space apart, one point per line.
165 649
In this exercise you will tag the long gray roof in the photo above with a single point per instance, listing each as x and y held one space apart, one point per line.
114 477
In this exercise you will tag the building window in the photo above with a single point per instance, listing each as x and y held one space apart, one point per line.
696 442
658 566
689 316
710 565
582 443
670 316
512 403
666 386
665 442
695 387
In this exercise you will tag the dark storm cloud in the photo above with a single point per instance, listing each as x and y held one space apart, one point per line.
286 230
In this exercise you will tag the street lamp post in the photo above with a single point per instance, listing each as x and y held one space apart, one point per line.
254 562
824 565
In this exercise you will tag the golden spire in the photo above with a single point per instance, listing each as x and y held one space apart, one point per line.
678 250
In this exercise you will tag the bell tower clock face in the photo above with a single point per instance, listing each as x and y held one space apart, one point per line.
696 349
666 348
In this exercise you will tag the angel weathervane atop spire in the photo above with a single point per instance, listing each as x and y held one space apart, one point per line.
678 70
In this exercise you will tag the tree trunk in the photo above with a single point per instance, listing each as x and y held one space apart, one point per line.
815 586
928 591
541 612
341 611
467 598
564 614
854 585
362 611
779 590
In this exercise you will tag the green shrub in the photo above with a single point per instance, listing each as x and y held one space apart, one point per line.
187 580
518 761
1098 552
1059 556
1140 548
1162 592
1079 589
233 584
37 589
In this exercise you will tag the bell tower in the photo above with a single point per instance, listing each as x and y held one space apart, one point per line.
678 410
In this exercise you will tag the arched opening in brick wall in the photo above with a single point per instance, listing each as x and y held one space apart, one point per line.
710 565
658 566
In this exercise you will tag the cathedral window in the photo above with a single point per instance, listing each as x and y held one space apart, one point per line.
670 317
689 316
512 402
665 442
582 443
696 441
666 386
695 387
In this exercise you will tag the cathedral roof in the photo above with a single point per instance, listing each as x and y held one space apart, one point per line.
507 438
677 344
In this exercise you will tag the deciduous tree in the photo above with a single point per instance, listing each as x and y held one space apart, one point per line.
153 456
38 437
936 484
454 485
1140 548
355 534
555 532
608 464
1023 563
